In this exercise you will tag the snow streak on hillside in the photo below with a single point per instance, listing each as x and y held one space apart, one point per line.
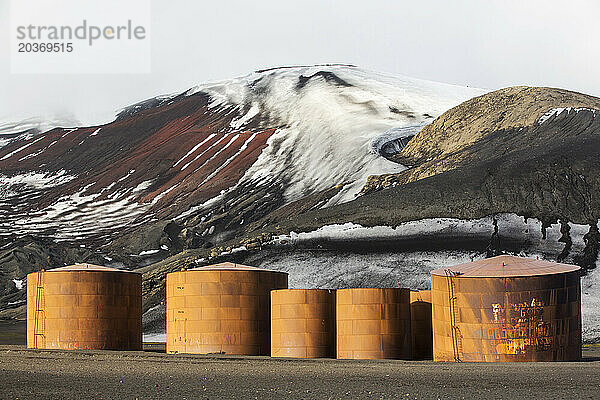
327 119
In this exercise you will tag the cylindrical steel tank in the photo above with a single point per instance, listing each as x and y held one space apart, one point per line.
84 306
222 308
507 308
303 323
373 323
420 325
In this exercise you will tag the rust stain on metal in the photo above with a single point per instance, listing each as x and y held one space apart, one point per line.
222 308
303 323
507 309
420 324
84 306
373 323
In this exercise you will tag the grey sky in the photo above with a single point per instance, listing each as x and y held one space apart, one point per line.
488 44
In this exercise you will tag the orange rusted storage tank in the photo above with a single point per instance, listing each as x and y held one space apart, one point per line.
420 325
222 308
507 308
84 306
303 323
373 323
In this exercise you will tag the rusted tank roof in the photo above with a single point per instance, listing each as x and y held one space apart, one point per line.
86 267
228 266
507 266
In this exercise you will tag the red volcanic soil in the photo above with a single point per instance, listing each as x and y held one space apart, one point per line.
181 153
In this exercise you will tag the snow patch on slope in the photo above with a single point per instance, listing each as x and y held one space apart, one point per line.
196 147
12 153
71 217
11 185
239 122
560 110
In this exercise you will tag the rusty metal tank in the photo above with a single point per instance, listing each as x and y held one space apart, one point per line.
84 306
420 325
507 308
303 323
373 323
222 308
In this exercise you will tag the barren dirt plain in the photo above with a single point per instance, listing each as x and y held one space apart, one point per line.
152 374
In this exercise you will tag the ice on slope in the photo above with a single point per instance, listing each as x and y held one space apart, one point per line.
394 140
327 127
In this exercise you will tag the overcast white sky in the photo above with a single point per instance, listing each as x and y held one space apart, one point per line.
488 44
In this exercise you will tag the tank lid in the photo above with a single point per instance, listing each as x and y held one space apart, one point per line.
228 266
87 267
507 266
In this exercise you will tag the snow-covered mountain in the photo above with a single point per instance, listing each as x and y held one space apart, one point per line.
327 120
288 132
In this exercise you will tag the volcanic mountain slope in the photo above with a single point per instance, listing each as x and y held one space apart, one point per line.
532 152
26 129
512 171
191 170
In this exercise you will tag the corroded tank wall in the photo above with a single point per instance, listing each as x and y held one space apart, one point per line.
303 323
507 309
84 307
421 325
373 323
223 308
